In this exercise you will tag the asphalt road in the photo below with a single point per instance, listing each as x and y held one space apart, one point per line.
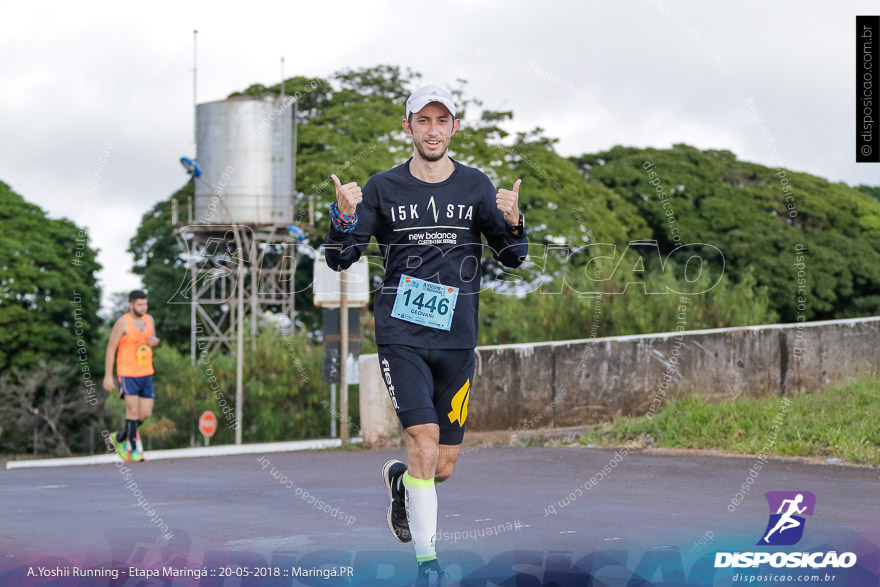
531 512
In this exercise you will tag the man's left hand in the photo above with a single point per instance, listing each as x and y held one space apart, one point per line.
508 203
152 340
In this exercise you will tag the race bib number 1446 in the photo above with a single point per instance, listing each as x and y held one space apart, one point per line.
424 302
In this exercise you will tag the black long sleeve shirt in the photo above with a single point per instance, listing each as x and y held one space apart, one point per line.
430 231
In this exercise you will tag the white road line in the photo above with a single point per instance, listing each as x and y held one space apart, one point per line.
26 488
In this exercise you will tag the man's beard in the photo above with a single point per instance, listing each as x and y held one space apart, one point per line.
430 158
137 314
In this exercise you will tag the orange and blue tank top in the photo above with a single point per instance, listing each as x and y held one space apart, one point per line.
134 357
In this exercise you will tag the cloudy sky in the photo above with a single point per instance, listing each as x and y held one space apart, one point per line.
78 79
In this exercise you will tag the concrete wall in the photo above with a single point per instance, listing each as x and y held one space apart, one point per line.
578 382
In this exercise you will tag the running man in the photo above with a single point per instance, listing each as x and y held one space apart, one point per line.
131 343
786 522
427 215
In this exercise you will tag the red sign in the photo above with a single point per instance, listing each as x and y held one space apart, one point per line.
208 424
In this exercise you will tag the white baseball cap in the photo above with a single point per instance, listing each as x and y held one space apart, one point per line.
423 96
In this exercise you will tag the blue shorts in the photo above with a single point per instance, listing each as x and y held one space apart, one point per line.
139 386
429 386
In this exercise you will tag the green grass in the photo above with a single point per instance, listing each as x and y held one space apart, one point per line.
841 422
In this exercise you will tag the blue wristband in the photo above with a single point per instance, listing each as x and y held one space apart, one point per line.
342 222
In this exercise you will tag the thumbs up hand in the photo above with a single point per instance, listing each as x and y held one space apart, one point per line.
348 196
508 203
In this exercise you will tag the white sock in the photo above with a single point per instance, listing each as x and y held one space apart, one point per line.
421 511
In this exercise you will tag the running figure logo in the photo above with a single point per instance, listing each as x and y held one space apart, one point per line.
786 526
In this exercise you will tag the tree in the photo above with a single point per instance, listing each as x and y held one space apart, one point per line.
44 397
49 296
49 300
873 191
624 302
756 215
283 389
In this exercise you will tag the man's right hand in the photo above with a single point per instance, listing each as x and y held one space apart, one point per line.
108 384
348 196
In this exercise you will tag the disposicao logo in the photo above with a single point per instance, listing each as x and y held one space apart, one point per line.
785 528
786 525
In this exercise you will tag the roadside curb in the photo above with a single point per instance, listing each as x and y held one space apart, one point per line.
186 453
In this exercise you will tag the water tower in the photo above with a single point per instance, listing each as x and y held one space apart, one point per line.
237 229
245 151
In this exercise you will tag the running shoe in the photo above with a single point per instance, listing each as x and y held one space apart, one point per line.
397 522
137 456
430 574
123 449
